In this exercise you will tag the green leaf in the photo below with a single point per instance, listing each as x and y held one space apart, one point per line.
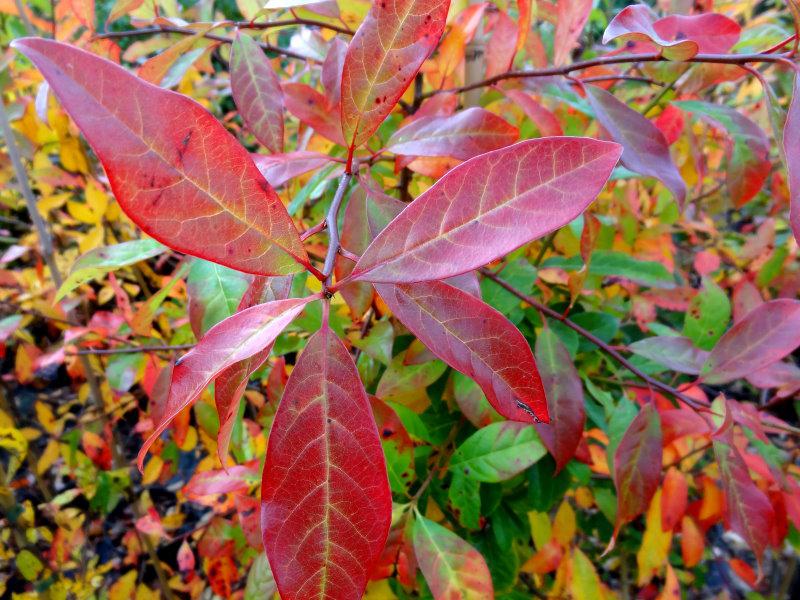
100 261
378 343
260 582
521 275
498 451
29 566
465 497
398 465
214 294
708 315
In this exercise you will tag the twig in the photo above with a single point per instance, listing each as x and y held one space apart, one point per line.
332 220
129 350
733 59
597 341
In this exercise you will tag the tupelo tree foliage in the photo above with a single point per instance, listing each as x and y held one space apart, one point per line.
442 347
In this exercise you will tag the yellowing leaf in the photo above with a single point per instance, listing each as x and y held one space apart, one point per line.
124 587
585 583
564 524
28 565
652 556
541 529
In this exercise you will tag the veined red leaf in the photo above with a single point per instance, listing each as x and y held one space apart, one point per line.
748 511
564 391
791 133
257 92
474 339
571 18
312 108
765 335
487 207
174 169
545 120
452 568
747 150
645 149
235 339
637 466
466 134
676 37
332 71
230 384
384 56
277 169
326 505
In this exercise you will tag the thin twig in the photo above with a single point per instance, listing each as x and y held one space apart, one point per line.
129 350
332 220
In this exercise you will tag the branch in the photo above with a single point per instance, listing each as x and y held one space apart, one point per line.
655 383
731 59
332 220
129 350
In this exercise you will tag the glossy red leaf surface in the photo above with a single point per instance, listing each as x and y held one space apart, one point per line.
474 339
564 391
466 134
257 92
384 56
235 339
452 568
326 504
676 37
637 465
765 335
277 169
791 149
645 148
191 185
230 383
487 207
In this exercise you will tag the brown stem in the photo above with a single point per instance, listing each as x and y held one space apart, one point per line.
655 383
129 350
732 59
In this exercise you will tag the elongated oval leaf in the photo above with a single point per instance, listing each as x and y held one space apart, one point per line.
383 58
646 150
463 135
235 339
475 339
767 334
95 263
277 169
312 108
213 293
637 465
229 385
257 92
675 352
747 151
498 452
326 505
174 169
564 398
452 568
545 120
488 206
791 133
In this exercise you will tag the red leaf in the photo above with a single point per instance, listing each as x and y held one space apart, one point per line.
676 37
791 133
185 557
174 169
564 398
452 568
466 134
767 334
233 340
487 207
312 108
230 384
502 46
326 505
637 466
571 18
476 340
257 92
332 71
277 169
236 479
674 498
670 122
383 58
645 149
541 117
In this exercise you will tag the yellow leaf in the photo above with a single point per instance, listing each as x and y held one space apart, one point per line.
190 441
46 418
96 199
653 554
13 442
152 470
47 458
28 565
585 583
564 524
123 588
92 239
379 590
541 529
72 155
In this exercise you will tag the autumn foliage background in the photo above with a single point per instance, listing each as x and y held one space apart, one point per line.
664 319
